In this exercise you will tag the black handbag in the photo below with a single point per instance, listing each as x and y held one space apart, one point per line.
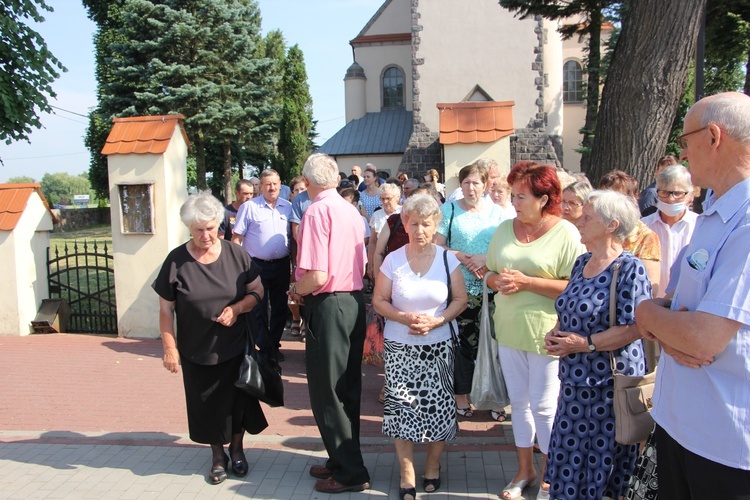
260 374
463 363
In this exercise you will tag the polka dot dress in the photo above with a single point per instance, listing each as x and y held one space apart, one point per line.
584 460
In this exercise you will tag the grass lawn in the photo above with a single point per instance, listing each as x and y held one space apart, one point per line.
95 234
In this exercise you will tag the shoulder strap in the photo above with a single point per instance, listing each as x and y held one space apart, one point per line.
450 225
447 275
613 307
393 232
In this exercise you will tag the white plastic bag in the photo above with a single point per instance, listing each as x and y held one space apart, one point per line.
488 389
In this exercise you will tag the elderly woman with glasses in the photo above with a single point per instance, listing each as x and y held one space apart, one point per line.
209 285
572 200
674 221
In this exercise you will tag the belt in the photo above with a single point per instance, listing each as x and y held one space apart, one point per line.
273 261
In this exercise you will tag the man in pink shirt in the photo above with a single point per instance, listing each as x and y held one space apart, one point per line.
330 265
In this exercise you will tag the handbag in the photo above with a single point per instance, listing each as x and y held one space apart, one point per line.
644 483
260 374
463 361
632 395
488 390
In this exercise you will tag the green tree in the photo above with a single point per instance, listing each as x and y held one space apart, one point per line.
28 69
592 13
297 127
644 83
60 188
21 180
191 57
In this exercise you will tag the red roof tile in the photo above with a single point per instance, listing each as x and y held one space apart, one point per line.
13 201
143 134
471 122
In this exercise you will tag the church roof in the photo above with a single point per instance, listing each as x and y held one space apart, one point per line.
386 132
13 201
143 134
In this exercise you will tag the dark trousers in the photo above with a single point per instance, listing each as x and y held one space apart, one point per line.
684 475
274 274
334 343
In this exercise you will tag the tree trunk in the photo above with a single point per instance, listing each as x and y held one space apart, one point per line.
227 171
592 87
643 86
200 160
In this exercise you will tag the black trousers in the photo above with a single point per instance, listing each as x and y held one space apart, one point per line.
334 342
684 475
272 312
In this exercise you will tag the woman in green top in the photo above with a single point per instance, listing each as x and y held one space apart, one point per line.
533 255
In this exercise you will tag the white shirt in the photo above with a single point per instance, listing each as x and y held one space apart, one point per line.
673 239
410 292
377 221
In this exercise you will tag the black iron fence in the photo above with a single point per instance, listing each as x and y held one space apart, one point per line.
83 275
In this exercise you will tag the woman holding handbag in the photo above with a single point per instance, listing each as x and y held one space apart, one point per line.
584 460
208 285
419 291
466 230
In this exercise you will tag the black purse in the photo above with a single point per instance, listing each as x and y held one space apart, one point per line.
463 362
260 374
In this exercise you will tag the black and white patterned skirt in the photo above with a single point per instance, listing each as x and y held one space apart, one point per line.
419 401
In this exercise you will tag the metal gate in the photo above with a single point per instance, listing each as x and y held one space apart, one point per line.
84 277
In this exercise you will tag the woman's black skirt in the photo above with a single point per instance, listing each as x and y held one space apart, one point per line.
216 409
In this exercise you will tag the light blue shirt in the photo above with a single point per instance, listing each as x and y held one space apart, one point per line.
707 410
265 229
300 204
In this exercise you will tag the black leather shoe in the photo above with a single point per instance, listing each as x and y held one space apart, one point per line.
240 468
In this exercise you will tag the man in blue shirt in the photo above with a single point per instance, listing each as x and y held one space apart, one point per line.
262 228
702 397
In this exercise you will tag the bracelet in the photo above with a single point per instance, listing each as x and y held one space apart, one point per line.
254 294
444 320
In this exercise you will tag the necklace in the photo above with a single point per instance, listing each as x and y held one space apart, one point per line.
528 236
416 262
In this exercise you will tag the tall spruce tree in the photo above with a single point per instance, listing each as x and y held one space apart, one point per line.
197 58
297 127
592 12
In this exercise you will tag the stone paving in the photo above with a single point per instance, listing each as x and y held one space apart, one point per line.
98 417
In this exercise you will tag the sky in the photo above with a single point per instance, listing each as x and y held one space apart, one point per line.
321 28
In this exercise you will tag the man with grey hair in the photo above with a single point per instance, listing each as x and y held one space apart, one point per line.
262 228
493 173
331 261
407 187
702 391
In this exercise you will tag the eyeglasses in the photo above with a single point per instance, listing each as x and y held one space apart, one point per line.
573 204
386 198
681 138
677 195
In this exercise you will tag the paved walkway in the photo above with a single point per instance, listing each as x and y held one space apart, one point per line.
98 417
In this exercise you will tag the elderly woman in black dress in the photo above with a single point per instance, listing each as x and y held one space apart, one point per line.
207 285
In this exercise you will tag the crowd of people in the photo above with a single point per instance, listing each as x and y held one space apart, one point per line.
552 250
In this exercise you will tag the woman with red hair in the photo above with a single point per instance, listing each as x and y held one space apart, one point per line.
533 255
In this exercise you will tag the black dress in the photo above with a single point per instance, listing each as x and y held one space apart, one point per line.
210 353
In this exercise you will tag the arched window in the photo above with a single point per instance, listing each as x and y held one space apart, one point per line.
393 88
572 82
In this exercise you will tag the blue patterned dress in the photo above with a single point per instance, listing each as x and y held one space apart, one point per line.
584 460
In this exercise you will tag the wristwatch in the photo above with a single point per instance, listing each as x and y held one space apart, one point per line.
293 288
592 347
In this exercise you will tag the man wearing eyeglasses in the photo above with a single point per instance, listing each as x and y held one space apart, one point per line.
702 397
648 199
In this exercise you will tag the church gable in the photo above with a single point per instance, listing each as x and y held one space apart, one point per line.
393 17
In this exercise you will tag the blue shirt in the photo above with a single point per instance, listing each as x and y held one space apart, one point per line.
265 229
707 410
300 204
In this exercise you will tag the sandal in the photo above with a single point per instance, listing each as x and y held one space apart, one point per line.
297 328
403 492
499 416
218 473
515 490
433 484
465 412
